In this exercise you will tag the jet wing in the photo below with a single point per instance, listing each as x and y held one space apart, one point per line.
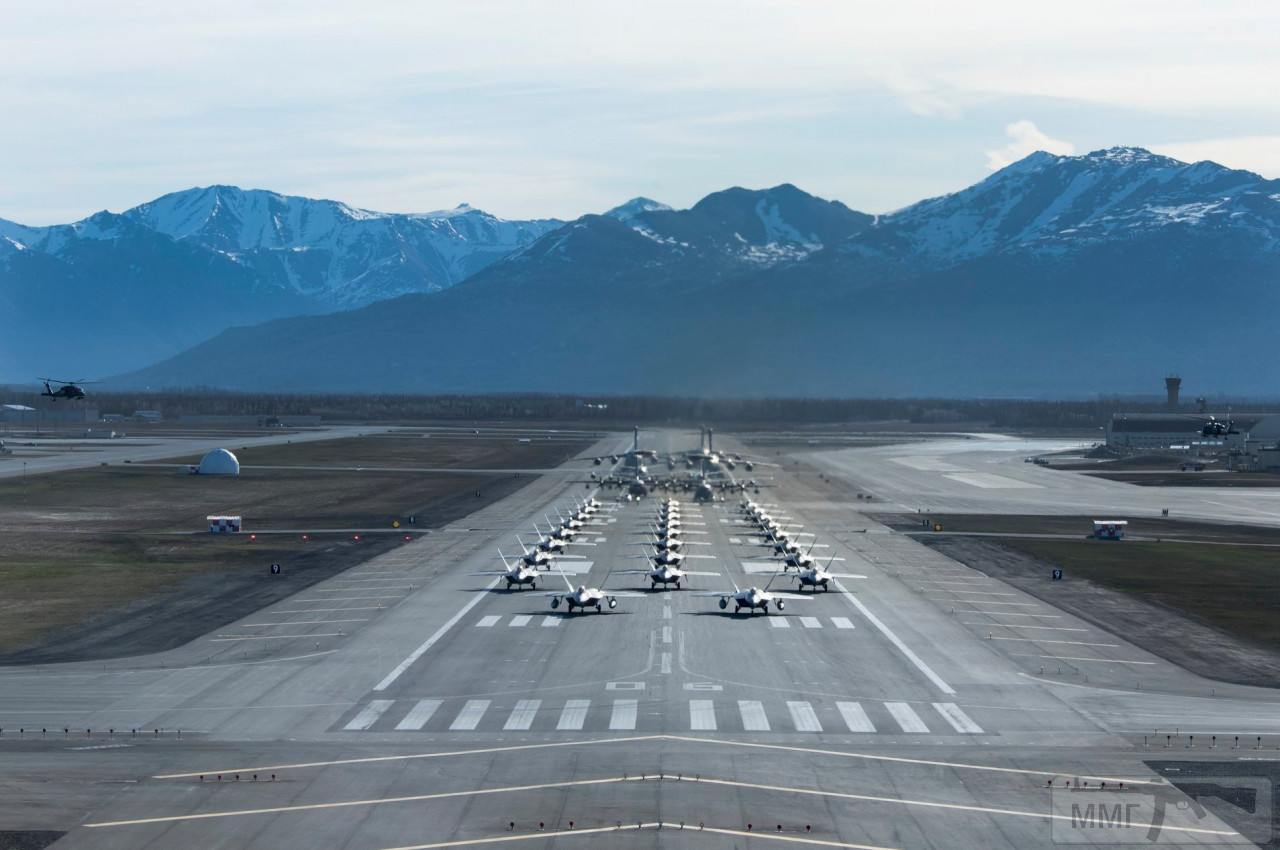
704 557
846 575
625 593
631 572
807 597
697 573
725 593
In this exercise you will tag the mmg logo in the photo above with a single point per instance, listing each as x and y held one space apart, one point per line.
1103 816
1149 813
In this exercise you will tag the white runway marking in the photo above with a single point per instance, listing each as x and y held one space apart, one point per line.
906 718
347 589
624 714
895 640
522 715
803 717
666 612
811 622
1071 642
574 714
419 715
319 610
304 622
666 634
469 717
753 717
1098 660
927 464
550 622
976 602
988 481
488 622
519 620
841 622
429 642
973 592
702 715
1020 626
779 623
666 663
351 598
958 719
855 717
226 639
369 715
735 540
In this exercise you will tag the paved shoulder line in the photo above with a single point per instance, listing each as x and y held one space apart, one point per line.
429 642
896 641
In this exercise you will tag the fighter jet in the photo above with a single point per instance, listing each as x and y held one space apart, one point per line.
533 556
819 576
752 598
588 597
517 573
666 574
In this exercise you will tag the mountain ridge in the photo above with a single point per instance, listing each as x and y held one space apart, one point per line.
984 291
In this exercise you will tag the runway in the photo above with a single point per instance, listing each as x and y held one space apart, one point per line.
408 703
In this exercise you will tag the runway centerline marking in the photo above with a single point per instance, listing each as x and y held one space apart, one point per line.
430 642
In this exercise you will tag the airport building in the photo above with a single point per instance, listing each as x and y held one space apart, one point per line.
1145 432
1255 445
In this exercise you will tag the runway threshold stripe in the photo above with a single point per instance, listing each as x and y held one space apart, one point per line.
855 717
369 715
754 718
419 715
521 717
624 714
811 622
906 718
520 620
469 717
488 622
803 717
779 623
702 715
550 622
574 715
959 721
842 622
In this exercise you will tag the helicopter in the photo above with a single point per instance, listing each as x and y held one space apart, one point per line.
1215 427
70 390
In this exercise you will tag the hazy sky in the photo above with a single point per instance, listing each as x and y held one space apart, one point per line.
560 108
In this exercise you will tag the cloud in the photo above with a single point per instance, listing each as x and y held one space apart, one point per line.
1255 153
1025 138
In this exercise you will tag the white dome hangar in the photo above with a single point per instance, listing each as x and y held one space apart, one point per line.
219 462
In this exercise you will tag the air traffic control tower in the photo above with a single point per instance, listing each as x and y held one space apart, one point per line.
1172 385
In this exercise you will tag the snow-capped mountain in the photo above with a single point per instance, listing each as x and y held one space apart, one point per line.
1056 204
190 264
634 207
726 232
336 254
1079 275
